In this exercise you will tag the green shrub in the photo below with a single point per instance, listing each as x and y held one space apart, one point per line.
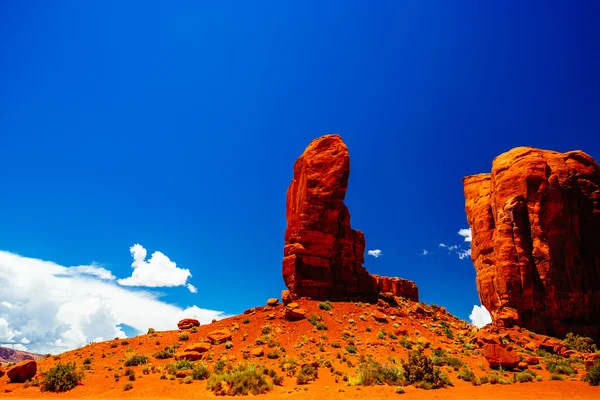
200 372
373 373
454 362
321 326
194 329
556 377
187 380
243 380
560 367
127 386
180 365
399 390
446 329
165 353
219 366
306 374
135 360
420 369
228 345
183 336
351 349
593 376
483 380
151 331
405 343
266 329
246 321
87 361
467 375
278 380
61 378
581 344
524 377
326 305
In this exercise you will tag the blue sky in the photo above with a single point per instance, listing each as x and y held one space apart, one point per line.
176 126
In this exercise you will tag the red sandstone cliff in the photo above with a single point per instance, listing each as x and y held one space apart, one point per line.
535 222
323 255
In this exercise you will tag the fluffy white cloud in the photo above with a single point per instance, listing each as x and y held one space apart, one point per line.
375 253
462 254
466 233
192 288
158 271
424 253
56 309
480 316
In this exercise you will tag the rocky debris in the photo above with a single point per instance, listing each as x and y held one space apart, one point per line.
272 302
553 346
198 347
219 336
323 255
250 311
499 355
294 313
182 374
535 224
257 352
287 297
23 371
379 316
532 361
591 359
270 316
188 355
187 323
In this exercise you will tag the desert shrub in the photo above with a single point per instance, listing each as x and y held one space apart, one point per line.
127 386
266 329
151 331
87 361
593 376
187 380
351 349
124 342
454 362
278 380
399 390
467 375
228 345
336 345
483 380
244 380
219 366
556 377
524 377
326 305
165 353
135 360
194 329
246 321
273 355
172 367
61 378
404 342
372 373
560 367
200 372
321 326
183 336
381 335
306 374
419 369
446 329
581 344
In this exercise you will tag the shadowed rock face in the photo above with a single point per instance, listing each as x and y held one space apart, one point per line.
323 255
535 222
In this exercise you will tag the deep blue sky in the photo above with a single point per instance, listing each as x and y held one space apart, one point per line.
176 126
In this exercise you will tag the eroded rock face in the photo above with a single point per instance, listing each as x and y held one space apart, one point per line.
22 371
323 255
535 222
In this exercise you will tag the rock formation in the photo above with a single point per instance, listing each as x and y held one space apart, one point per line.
535 223
323 255
23 371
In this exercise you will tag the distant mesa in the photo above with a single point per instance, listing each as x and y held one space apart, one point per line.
323 255
535 221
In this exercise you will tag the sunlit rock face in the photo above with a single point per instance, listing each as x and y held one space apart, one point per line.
535 222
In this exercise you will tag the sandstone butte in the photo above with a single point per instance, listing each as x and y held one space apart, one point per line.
323 255
535 222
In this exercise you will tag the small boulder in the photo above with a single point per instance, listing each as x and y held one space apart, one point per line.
250 311
219 336
182 374
294 314
198 347
379 316
293 305
257 352
499 356
287 297
270 316
187 323
423 342
532 361
553 346
23 371
272 302
188 355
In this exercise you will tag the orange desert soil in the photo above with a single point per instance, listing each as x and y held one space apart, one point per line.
415 322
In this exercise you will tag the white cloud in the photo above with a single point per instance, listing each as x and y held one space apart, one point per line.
19 347
462 254
89 270
375 253
480 316
158 271
425 252
192 288
57 310
466 233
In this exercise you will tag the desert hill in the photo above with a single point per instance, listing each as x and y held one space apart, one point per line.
14 356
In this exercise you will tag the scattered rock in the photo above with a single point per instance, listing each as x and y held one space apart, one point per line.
257 352
379 316
294 314
498 355
270 316
291 306
182 374
323 255
532 361
198 347
272 302
250 311
187 323
219 336
188 355
22 371
541 209
423 342
552 345
287 297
